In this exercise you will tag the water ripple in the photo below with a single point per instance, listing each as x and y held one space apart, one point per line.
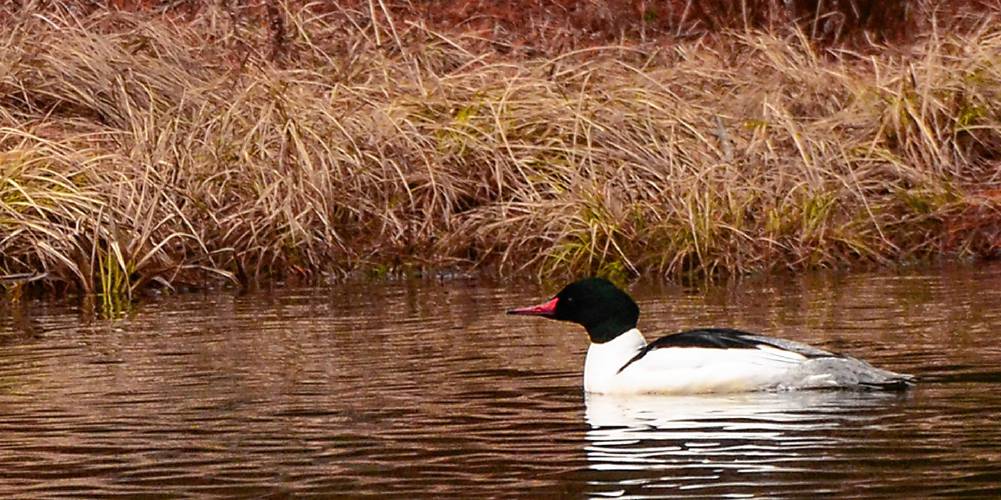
429 390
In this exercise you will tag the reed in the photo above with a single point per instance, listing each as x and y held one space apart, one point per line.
146 149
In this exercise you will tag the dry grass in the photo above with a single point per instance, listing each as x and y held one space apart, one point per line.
139 148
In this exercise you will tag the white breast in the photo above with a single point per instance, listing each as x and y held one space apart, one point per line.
604 360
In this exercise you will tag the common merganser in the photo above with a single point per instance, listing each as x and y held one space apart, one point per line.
708 360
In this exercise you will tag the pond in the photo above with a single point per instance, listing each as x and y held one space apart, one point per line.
428 389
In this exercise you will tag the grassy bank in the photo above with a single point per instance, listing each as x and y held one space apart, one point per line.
142 148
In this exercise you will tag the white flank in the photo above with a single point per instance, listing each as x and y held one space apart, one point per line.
684 370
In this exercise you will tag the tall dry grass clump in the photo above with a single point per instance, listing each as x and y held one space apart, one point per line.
142 148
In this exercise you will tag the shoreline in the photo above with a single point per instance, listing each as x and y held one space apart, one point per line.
143 151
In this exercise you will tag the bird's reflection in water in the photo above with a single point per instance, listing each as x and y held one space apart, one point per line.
718 445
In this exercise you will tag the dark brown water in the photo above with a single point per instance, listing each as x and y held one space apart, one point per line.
430 390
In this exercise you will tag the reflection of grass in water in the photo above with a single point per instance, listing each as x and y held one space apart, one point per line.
139 150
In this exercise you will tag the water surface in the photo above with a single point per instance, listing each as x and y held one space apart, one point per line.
428 389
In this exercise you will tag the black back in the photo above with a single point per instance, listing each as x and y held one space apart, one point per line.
720 338
726 338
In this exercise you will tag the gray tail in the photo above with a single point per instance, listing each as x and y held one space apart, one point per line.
889 381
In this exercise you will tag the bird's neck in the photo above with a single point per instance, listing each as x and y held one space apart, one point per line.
604 360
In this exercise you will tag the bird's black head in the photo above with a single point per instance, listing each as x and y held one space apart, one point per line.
594 303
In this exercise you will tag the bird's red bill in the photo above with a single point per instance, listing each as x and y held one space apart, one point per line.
547 309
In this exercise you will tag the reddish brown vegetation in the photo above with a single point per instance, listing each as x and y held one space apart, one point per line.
554 25
567 24
175 142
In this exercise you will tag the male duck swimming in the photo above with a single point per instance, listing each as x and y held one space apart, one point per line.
710 360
